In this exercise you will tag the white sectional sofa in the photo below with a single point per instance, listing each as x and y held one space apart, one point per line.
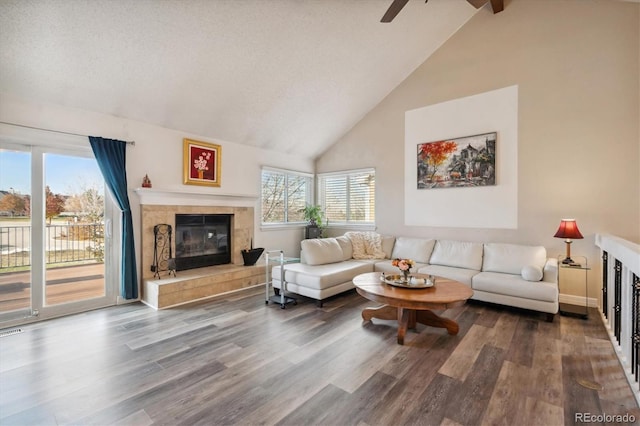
507 274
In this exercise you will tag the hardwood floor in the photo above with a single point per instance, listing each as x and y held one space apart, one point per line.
236 360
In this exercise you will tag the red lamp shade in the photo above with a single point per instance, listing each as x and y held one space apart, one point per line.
568 229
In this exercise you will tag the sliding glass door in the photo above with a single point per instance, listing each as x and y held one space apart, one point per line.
74 239
55 225
15 233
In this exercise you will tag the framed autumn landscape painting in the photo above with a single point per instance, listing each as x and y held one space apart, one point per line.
201 163
461 162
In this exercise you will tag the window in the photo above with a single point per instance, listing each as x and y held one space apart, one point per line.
284 195
348 197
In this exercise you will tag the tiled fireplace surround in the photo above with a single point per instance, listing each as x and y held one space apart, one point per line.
157 207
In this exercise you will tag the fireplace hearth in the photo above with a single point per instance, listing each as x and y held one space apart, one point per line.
202 240
162 206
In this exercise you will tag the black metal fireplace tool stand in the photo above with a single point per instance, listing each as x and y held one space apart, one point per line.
162 253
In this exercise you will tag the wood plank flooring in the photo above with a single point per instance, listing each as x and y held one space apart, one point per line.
235 360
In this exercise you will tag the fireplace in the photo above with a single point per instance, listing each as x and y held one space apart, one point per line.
202 240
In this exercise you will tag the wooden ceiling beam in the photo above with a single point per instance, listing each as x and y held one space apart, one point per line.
497 6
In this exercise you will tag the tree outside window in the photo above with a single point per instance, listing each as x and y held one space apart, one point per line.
284 196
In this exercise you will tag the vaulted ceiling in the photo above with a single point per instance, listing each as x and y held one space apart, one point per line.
287 75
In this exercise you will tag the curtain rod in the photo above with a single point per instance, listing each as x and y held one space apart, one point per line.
56 131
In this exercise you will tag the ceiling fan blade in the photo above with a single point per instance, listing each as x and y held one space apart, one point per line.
496 5
393 10
477 3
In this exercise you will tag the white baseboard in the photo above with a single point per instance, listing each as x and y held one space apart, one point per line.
122 301
578 300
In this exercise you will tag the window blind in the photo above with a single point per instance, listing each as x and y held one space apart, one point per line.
348 197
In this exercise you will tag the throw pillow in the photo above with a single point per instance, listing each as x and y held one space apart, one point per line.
366 245
531 273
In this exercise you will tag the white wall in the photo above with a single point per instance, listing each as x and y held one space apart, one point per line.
158 153
493 206
576 65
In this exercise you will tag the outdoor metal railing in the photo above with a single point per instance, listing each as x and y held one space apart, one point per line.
63 244
621 302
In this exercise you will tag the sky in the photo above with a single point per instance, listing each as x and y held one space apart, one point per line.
64 175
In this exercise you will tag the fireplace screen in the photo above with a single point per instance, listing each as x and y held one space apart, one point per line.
202 240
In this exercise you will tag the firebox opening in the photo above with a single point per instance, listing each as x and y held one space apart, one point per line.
202 240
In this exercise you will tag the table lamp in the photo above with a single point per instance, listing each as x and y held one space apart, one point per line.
569 230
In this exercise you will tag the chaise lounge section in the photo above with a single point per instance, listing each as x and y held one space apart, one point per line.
514 275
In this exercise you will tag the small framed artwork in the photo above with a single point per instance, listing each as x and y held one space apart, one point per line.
468 161
201 163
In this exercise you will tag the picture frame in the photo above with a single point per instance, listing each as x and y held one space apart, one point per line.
468 161
201 163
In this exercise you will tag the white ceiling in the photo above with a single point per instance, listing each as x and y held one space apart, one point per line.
287 75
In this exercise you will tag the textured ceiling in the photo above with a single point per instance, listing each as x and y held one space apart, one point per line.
287 75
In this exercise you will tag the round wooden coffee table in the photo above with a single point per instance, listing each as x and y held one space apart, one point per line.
411 305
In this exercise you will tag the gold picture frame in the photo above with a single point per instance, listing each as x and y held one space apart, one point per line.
201 163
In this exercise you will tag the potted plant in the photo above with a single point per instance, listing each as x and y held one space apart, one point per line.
314 216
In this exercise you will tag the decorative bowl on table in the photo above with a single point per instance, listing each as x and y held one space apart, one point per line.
412 282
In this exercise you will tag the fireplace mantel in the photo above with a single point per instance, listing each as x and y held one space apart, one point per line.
189 197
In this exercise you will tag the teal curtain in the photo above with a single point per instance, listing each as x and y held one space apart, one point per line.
111 156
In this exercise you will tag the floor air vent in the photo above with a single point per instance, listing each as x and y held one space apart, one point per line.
10 332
